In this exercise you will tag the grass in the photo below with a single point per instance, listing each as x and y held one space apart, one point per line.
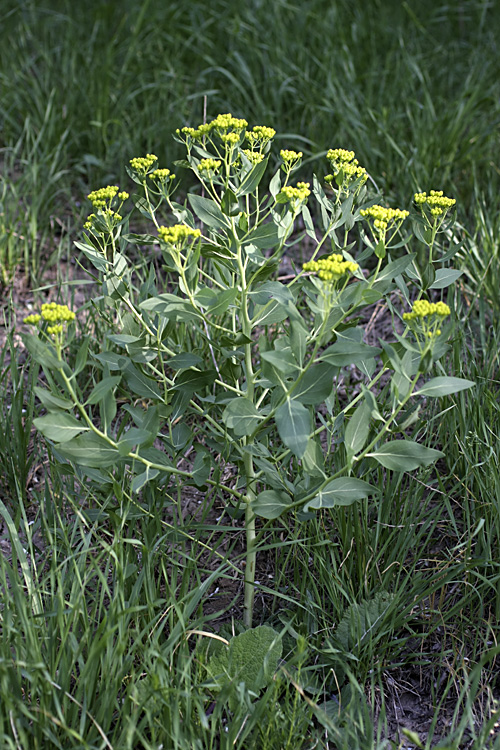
107 606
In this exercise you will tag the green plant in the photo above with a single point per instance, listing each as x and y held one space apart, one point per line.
230 363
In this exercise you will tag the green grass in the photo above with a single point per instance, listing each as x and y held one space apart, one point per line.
99 596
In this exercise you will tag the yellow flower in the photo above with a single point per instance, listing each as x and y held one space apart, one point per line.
331 268
437 203
299 193
177 234
142 164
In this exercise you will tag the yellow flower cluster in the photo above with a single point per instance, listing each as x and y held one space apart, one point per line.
222 124
384 218
331 268
300 193
161 175
343 161
209 165
340 155
422 309
230 138
52 313
436 202
289 156
142 164
253 156
104 195
177 234
261 133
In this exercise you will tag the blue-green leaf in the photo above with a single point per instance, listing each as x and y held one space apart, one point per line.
443 386
209 212
341 491
405 455
270 504
294 426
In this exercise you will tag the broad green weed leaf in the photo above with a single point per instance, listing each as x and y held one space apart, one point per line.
358 428
345 352
102 388
294 426
341 491
59 427
395 268
50 401
253 179
445 277
405 455
41 352
141 479
444 386
316 385
266 315
283 360
270 504
192 381
184 360
209 212
89 450
251 657
264 236
241 416
140 384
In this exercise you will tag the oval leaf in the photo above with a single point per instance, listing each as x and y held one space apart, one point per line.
59 426
294 426
270 504
405 455
241 416
444 386
341 491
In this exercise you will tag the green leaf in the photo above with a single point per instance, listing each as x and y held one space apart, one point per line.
444 386
405 455
313 460
264 237
251 657
272 290
141 479
102 388
341 491
316 385
89 450
347 352
253 178
59 427
294 426
50 401
192 381
241 416
266 315
41 352
141 385
283 360
96 258
184 360
358 428
270 504
445 277
395 268
209 212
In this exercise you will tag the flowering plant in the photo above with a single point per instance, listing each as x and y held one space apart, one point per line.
229 362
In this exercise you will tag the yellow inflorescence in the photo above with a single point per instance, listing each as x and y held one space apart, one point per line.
289 156
253 156
331 268
142 164
261 133
384 218
343 161
422 309
227 127
99 198
162 175
209 165
177 234
53 313
436 202
301 192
